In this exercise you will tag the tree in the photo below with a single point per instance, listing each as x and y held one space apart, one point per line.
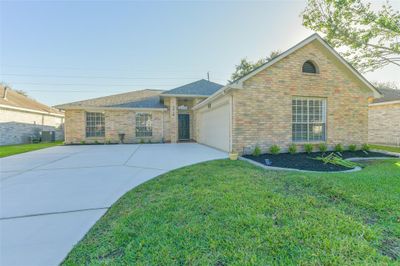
369 39
246 66
385 85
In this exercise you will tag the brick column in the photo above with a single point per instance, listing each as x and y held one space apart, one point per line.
173 115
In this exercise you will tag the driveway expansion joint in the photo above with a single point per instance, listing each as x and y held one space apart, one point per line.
52 213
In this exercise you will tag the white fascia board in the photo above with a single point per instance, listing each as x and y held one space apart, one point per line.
29 110
184 95
94 108
216 95
385 103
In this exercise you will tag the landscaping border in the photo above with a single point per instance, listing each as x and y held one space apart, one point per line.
357 168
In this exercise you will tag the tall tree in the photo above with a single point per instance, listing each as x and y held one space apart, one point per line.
246 66
369 39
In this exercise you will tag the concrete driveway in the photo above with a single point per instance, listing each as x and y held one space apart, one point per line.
50 198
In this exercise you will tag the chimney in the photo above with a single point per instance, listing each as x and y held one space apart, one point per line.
5 93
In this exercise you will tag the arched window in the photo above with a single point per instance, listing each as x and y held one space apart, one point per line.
309 67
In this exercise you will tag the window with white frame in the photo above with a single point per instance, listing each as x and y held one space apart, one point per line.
308 119
144 125
95 124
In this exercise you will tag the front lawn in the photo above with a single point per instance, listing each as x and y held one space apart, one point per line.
386 148
21 148
231 212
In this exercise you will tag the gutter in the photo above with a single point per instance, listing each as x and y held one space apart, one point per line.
184 95
384 103
112 108
30 110
217 94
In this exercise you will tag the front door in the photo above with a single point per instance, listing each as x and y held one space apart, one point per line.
183 127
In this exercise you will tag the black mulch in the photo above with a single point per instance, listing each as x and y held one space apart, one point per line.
304 161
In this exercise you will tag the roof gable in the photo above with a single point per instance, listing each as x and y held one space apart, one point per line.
13 99
198 88
314 37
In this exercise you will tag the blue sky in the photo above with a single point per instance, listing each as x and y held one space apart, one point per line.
65 51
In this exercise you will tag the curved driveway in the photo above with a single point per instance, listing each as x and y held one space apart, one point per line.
50 198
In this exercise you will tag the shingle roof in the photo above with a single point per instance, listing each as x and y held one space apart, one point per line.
17 100
116 99
388 95
201 87
150 102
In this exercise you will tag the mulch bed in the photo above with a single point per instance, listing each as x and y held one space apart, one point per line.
304 161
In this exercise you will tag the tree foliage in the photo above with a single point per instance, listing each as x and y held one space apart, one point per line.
385 85
370 39
246 66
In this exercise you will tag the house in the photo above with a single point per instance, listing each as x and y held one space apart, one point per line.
308 94
384 118
22 118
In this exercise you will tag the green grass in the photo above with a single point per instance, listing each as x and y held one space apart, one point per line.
21 148
385 148
231 212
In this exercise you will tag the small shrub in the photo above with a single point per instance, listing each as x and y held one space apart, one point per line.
274 149
256 151
338 148
366 147
352 147
83 142
308 147
142 141
292 148
96 142
322 147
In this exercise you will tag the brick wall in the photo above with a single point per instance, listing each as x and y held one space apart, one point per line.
116 121
384 124
263 109
17 127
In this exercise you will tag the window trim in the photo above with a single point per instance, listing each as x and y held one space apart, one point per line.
86 125
150 134
315 66
324 119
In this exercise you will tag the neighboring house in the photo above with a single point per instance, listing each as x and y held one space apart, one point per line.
384 118
23 119
308 94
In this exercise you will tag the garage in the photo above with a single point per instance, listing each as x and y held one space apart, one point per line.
214 124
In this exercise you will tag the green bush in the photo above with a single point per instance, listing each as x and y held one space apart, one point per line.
257 151
352 147
339 148
83 142
142 141
366 147
274 149
292 148
308 147
96 142
323 147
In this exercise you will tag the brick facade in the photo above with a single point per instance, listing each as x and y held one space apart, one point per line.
116 122
384 124
263 109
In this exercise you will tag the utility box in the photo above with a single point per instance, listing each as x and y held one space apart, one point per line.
48 136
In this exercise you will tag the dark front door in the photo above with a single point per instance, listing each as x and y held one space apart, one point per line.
183 127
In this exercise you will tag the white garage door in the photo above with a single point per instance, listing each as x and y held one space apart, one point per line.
214 127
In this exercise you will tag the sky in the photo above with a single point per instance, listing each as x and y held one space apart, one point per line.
60 51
